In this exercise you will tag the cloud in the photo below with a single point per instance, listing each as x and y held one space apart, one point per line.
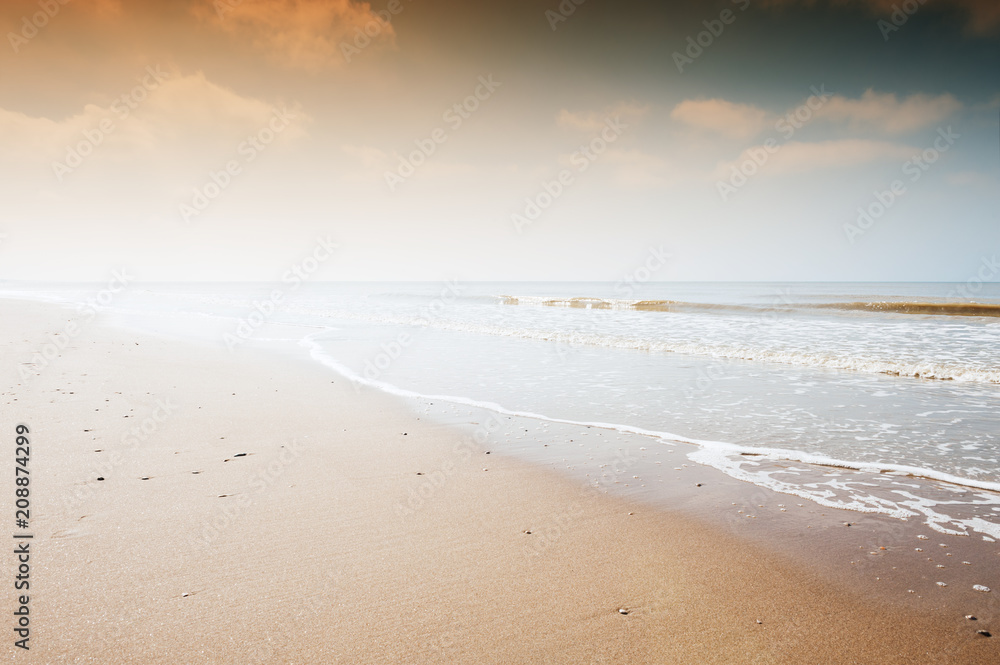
983 16
592 121
179 120
738 121
886 113
799 157
304 34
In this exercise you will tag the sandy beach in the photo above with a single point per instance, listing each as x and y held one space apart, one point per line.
200 507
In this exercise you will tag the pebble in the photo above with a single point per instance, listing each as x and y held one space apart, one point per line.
984 633
923 537
941 584
980 587
100 477
622 610
759 621
970 617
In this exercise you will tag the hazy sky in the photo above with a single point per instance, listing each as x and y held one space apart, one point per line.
533 139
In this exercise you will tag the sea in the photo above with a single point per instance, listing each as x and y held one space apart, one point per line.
870 397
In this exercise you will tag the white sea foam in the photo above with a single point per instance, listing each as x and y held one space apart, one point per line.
727 456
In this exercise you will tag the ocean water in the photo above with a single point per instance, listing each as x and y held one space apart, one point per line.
898 385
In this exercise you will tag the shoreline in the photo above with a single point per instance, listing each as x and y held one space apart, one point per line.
299 477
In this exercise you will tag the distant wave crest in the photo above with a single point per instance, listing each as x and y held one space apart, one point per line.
888 307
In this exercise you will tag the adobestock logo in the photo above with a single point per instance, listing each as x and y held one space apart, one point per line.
714 28
122 107
582 159
263 310
219 181
914 167
455 117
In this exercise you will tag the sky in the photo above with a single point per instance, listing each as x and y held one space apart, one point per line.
756 140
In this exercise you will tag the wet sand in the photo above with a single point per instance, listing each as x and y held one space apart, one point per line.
255 508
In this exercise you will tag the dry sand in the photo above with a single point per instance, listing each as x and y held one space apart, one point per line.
303 550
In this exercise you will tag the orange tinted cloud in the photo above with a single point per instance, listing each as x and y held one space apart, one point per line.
308 34
593 121
885 112
740 121
798 157
184 121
